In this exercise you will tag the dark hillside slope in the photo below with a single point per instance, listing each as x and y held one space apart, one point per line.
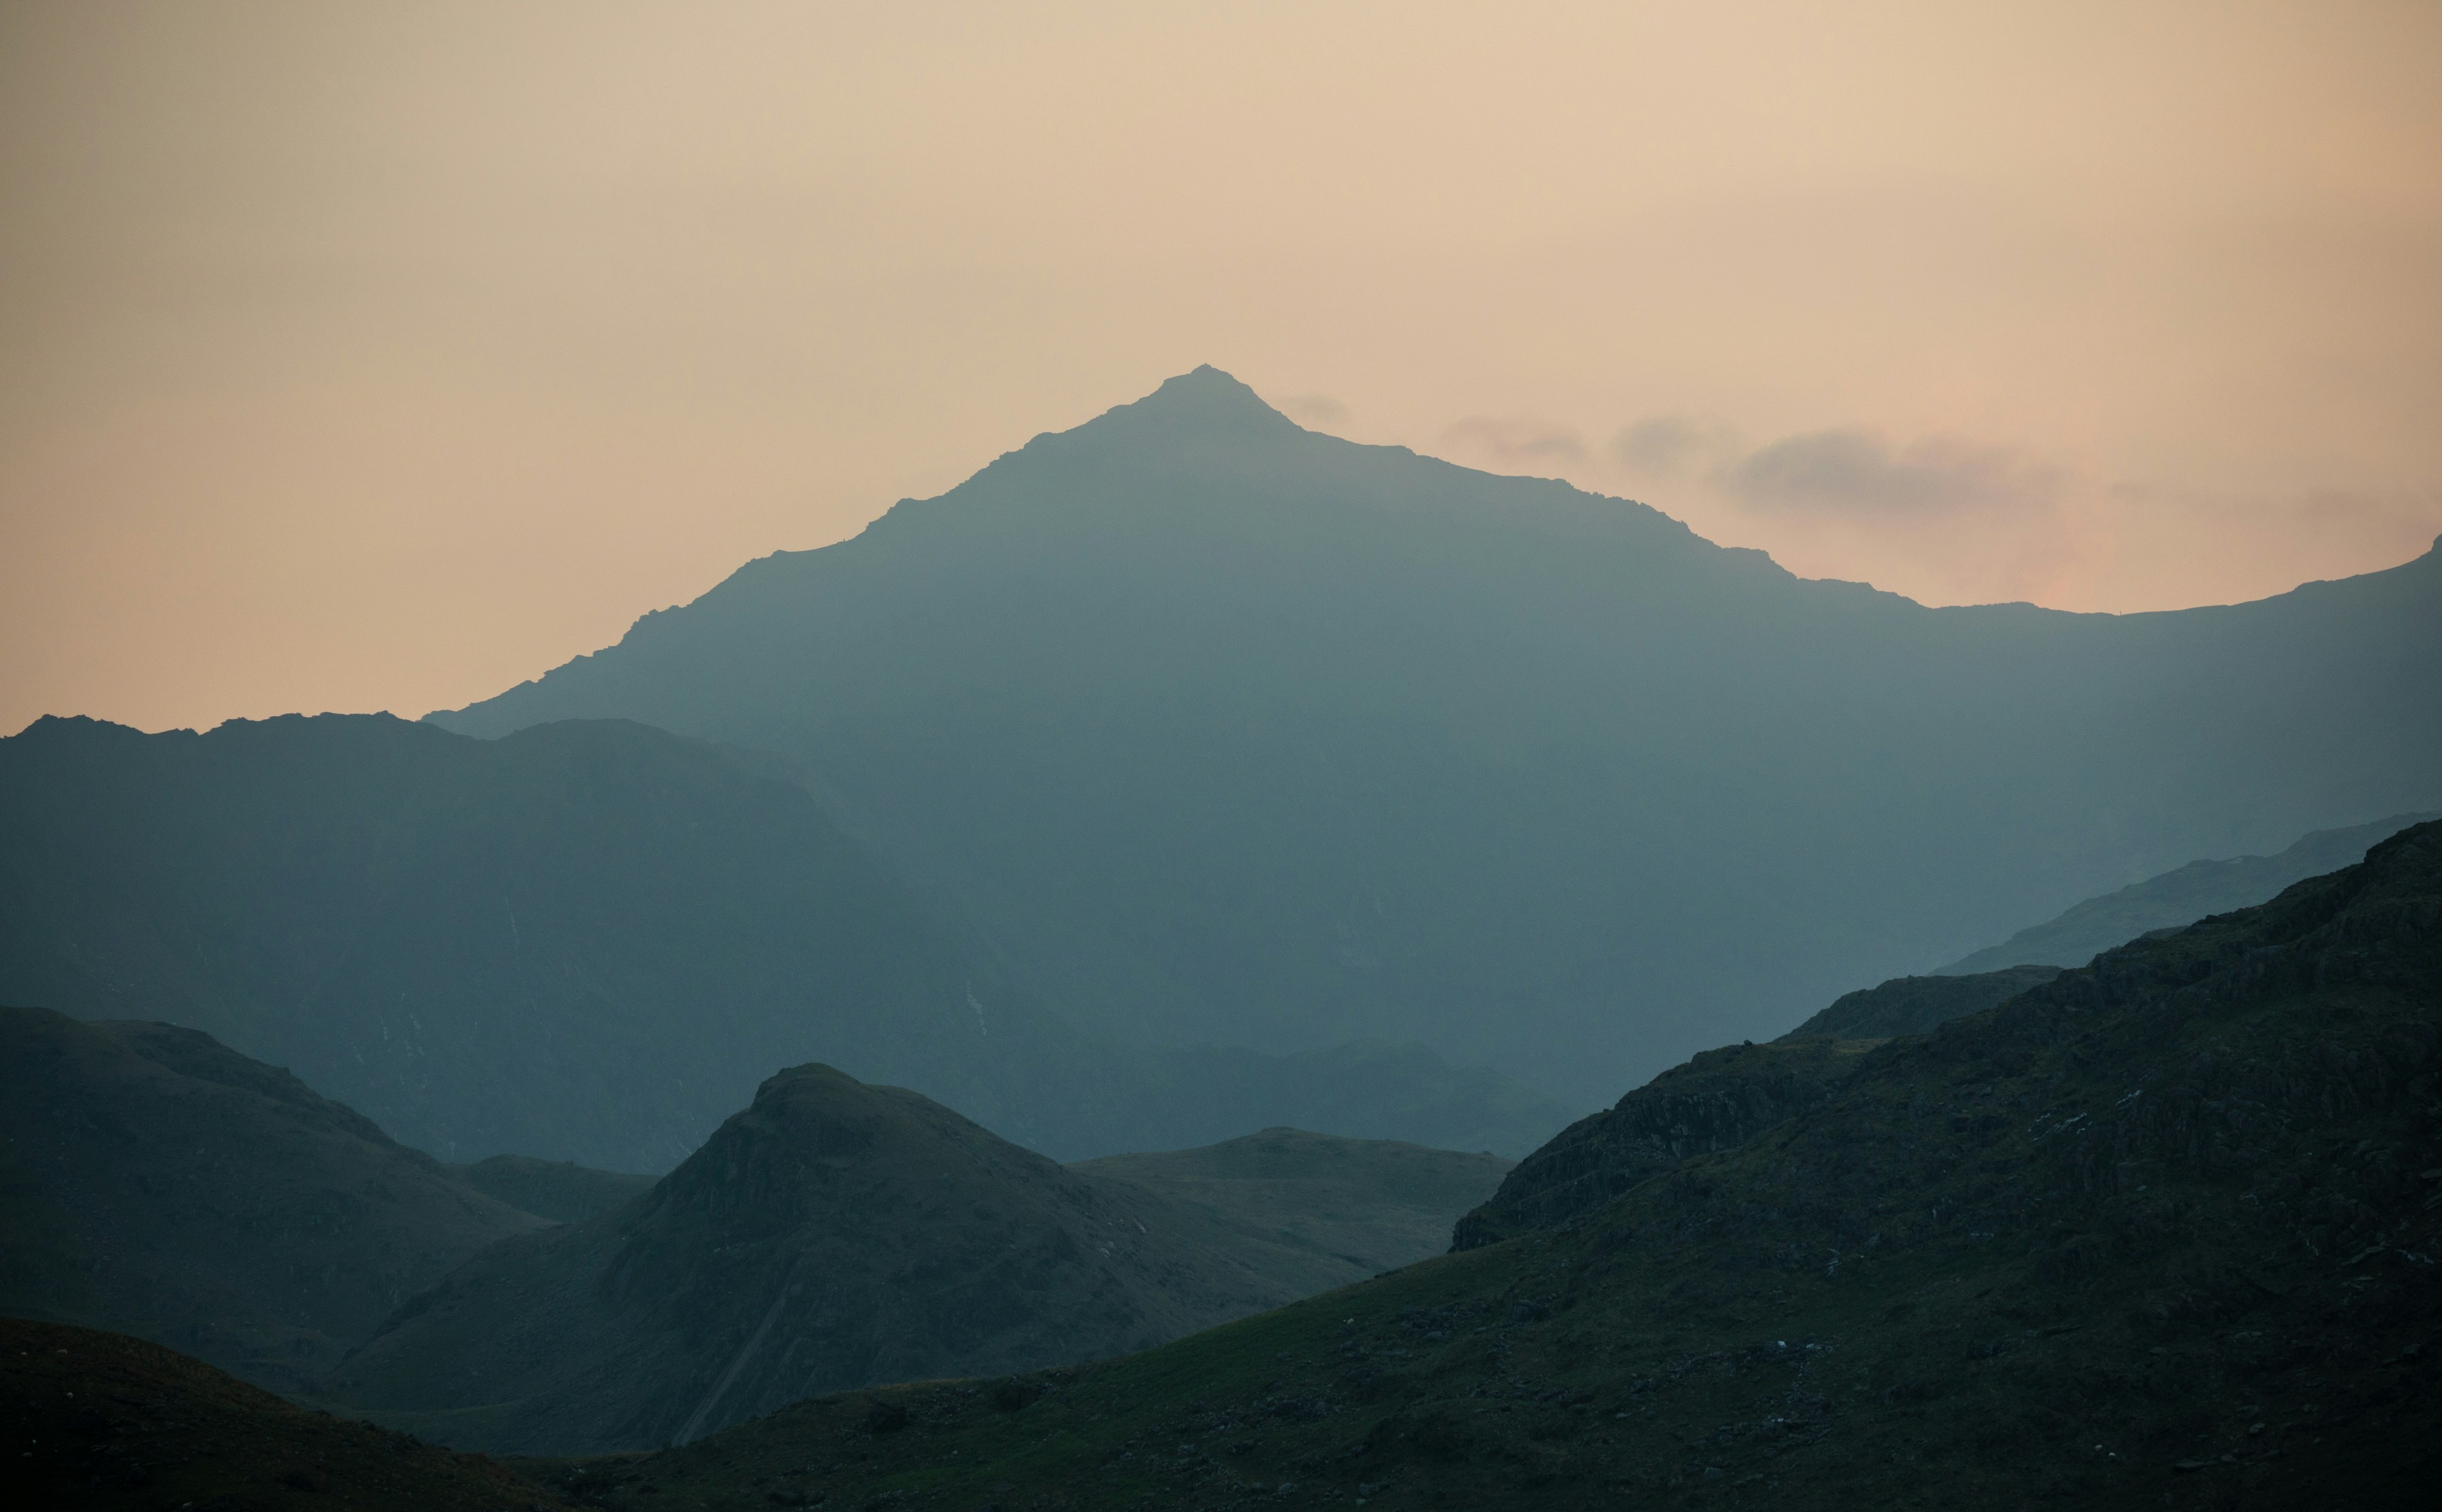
589 942
832 1234
104 1423
2160 1232
1237 732
2181 896
1723 1098
1718 1100
153 1182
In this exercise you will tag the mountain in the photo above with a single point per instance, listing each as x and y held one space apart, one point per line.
587 942
154 1183
1228 732
2159 1232
1355 1207
836 1234
106 1422
1915 1004
2181 896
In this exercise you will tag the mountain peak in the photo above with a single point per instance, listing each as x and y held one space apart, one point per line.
1206 401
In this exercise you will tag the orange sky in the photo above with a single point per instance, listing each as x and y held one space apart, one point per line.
363 356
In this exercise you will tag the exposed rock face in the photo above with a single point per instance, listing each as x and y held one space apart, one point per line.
1915 1004
157 1183
833 1234
1718 1100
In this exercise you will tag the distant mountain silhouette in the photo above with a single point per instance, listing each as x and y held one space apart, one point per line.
588 942
836 1234
1229 732
2182 897
154 1183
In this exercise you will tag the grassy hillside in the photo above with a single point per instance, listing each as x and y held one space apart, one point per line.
2159 1233
1230 732
1352 1207
112 1424
154 1183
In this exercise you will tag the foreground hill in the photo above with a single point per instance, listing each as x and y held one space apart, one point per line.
1355 1207
585 942
1233 732
104 1422
2179 897
154 1183
836 1234
2159 1232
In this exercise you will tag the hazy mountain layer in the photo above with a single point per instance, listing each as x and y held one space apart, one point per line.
559 1190
2181 896
102 1422
2158 1232
154 1183
1232 732
1915 1004
586 942
836 1234
1355 1207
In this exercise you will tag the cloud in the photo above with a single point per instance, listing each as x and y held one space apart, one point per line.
1671 446
1311 409
1517 440
1859 473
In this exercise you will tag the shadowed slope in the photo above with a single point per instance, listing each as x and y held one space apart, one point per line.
103 1422
2159 1232
156 1183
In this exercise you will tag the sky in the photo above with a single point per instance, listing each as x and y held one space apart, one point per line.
368 355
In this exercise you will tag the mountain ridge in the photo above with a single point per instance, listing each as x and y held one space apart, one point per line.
1247 734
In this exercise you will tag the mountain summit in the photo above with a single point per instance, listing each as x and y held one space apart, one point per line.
1226 731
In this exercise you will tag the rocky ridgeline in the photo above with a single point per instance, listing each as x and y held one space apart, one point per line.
1718 1100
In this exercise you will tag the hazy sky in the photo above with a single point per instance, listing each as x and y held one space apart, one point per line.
381 356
